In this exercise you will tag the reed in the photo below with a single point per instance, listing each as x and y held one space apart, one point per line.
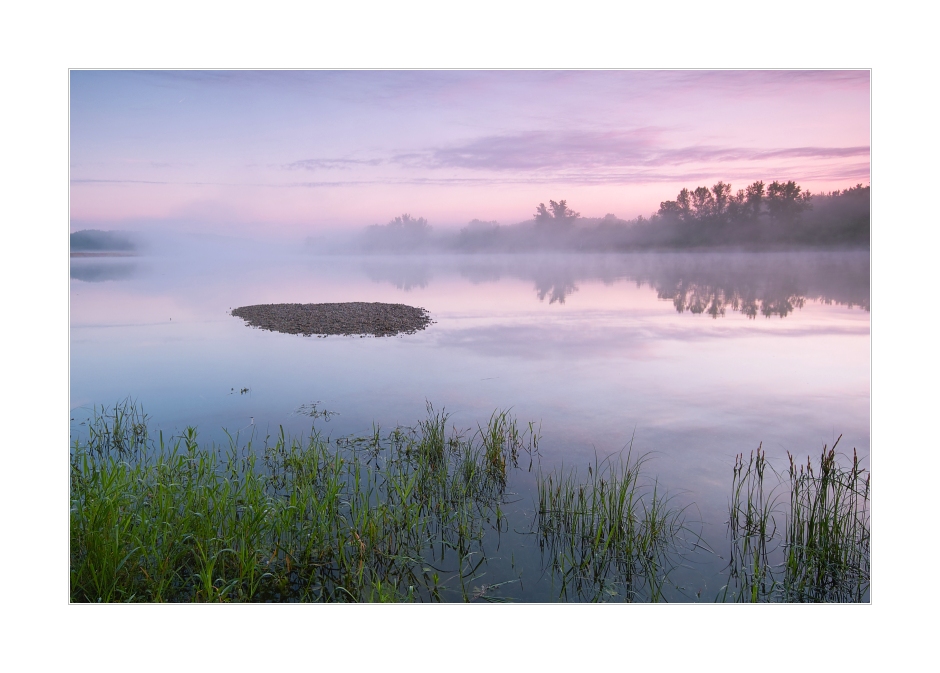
821 549
399 518
828 537
612 536
418 514
753 529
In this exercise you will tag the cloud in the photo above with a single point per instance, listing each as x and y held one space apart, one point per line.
331 164
585 150
540 149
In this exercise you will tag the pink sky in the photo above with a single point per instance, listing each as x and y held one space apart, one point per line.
290 153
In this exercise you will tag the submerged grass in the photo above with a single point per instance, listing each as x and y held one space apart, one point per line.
399 518
821 549
418 514
610 537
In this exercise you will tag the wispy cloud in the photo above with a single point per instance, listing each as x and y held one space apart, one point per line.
332 164
638 175
544 149
592 150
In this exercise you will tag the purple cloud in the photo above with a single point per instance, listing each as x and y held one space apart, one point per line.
331 164
590 150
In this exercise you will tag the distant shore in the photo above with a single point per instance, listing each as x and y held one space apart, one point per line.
103 254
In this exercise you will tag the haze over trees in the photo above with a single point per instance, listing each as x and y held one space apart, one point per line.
95 240
401 234
760 216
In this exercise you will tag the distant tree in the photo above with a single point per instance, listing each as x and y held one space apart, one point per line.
684 202
97 240
785 201
754 196
557 211
736 206
722 193
669 209
703 202
561 211
479 235
407 223
402 232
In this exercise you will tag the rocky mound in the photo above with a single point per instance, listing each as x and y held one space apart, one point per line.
350 318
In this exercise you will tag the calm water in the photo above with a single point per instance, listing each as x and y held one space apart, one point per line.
692 357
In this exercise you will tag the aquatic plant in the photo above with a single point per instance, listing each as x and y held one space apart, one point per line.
397 518
609 537
419 514
824 551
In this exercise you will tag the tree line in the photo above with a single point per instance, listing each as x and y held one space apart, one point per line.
759 216
779 201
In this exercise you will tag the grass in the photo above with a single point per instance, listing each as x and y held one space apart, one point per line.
396 518
427 514
804 538
610 536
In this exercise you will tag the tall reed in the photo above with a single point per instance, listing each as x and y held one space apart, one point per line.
397 518
609 537
828 545
821 549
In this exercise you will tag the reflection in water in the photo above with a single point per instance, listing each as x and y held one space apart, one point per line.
405 275
688 296
613 365
98 272
556 289
767 284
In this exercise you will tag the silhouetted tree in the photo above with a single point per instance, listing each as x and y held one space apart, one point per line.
755 197
561 211
722 193
703 202
403 232
785 201
407 223
736 206
669 209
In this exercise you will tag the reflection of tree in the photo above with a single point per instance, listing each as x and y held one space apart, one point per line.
766 284
713 300
554 282
97 272
405 277
555 291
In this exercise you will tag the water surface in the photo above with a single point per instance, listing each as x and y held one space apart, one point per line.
690 357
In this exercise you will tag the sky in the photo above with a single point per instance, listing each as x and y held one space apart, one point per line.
284 154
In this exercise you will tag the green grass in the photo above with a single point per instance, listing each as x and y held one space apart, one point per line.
398 518
800 537
426 513
610 536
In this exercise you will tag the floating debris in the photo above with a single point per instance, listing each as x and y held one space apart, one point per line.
347 319
312 411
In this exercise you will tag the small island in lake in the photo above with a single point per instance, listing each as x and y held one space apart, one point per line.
348 318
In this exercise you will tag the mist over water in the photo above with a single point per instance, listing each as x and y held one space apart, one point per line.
692 357
674 263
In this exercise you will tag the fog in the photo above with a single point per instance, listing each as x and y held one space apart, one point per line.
712 283
776 216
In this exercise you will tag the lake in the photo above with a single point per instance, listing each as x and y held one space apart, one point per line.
691 358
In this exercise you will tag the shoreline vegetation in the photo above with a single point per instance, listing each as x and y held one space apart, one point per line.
763 217
774 216
423 514
97 243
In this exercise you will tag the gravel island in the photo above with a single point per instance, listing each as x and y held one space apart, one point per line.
349 319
